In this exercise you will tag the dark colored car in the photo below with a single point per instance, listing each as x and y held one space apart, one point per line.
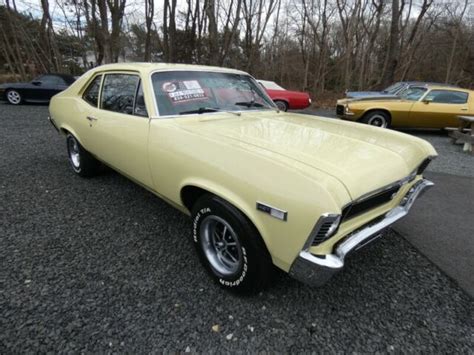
286 99
41 89
392 90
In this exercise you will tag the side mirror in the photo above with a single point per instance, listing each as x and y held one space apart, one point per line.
427 100
37 83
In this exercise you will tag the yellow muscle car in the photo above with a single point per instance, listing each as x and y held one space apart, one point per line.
263 187
418 107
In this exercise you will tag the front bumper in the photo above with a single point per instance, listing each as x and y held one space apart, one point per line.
317 270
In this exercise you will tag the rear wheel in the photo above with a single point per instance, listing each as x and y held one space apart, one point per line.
82 162
14 97
230 247
377 118
282 105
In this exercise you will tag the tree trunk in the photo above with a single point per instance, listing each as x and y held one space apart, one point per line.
393 47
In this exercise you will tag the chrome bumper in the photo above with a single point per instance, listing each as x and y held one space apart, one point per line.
316 270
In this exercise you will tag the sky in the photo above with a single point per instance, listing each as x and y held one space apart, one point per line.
135 9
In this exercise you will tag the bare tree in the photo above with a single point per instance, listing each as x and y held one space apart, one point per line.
149 13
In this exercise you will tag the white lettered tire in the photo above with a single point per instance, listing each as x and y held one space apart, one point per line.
230 247
81 161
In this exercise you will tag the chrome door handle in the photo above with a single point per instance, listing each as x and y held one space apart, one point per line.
90 118
464 109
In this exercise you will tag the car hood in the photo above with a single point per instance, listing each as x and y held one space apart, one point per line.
351 94
380 98
362 158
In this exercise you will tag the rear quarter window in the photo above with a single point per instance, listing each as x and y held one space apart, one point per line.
91 94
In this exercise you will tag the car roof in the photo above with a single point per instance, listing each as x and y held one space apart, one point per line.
150 67
427 83
443 87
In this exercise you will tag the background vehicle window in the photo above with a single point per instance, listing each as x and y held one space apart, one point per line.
392 89
413 93
140 107
447 97
91 95
48 79
118 92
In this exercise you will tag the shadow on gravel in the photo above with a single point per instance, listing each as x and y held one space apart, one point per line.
101 265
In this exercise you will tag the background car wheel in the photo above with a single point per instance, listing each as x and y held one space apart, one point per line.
377 118
13 97
230 247
82 162
282 105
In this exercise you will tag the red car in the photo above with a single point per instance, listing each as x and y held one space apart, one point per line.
285 99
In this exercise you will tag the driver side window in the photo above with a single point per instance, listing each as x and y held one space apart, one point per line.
118 93
447 97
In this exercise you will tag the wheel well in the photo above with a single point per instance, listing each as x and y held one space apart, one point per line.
190 194
376 109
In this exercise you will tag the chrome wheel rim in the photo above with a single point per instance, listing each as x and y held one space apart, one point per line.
378 121
221 245
281 105
13 97
74 156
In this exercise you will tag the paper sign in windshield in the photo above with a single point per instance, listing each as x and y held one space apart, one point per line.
184 91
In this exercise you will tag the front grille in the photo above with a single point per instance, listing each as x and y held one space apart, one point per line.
322 236
369 203
339 110
423 166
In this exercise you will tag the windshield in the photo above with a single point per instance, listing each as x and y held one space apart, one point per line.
270 85
413 93
196 92
392 89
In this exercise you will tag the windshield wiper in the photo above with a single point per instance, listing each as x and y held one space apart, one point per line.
249 104
201 110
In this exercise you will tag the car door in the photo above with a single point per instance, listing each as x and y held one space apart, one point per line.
400 109
118 133
439 108
43 88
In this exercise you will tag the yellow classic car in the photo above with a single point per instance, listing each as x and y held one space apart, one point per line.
416 107
263 187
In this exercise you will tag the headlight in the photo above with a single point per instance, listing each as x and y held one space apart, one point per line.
347 110
325 228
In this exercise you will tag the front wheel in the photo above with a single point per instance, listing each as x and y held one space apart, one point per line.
282 105
82 162
377 118
14 97
230 247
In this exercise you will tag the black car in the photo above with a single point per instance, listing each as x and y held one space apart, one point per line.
40 89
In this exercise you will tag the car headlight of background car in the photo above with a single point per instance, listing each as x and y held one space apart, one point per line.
347 110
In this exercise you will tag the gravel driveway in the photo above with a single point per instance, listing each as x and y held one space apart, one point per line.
101 265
